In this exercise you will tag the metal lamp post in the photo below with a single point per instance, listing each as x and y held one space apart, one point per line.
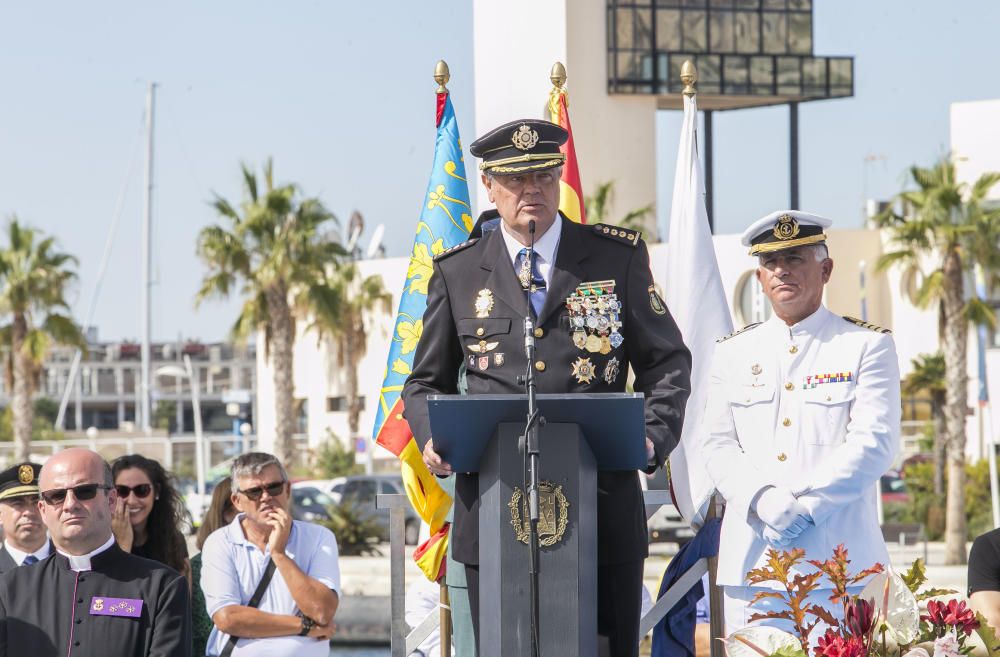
199 439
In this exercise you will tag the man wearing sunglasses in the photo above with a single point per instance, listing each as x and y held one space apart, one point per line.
24 539
90 597
293 614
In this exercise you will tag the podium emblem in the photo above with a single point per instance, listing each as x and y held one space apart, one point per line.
553 514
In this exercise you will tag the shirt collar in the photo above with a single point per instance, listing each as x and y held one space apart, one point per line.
808 326
545 246
236 535
18 556
82 562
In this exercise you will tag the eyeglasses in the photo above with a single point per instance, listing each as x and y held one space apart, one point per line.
141 491
273 490
57 496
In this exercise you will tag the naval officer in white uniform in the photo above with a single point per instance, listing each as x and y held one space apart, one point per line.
804 416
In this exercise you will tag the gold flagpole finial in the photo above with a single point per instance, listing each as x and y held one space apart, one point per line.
558 75
441 76
689 75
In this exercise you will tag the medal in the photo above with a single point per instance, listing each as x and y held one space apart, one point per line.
616 339
482 347
484 303
593 344
484 362
610 371
579 339
605 345
498 360
583 370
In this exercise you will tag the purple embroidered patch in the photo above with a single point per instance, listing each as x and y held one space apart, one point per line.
126 607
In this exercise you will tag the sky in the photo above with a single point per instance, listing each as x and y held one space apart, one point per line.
341 95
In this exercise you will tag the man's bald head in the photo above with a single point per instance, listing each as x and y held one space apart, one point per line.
80 522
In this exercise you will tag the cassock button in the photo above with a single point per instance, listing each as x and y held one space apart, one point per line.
793 349
789 386
480 331
786 422
539 332
540 365
828 398
782 456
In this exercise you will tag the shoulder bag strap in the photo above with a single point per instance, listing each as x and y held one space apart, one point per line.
254 601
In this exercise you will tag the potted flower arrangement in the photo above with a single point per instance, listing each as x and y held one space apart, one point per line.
884 620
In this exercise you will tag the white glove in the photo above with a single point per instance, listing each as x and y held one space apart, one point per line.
774 539
778 509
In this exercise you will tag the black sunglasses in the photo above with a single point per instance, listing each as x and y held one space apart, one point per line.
273 490
57 496
141 491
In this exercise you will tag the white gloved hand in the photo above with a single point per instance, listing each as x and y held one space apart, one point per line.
778 509
774 539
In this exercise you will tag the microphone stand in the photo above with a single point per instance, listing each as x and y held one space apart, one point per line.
529 442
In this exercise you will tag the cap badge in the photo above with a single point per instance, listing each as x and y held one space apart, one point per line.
25 474
484 303
525 138
787 228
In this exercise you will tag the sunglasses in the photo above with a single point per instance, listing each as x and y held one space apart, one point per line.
83 492
273 490
141 491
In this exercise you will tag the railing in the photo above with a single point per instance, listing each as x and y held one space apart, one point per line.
404 640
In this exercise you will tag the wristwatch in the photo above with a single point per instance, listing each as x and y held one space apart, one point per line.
307 624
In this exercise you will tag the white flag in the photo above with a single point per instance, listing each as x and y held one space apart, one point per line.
697 301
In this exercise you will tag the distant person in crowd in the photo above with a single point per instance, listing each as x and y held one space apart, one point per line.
24 539
220 513
802 420
271 583
90 598
984 577
150 512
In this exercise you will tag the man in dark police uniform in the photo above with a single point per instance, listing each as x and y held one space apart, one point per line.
24 539
597 312
90 598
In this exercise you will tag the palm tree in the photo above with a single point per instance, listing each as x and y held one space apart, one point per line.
276 249
946 222
35 280
928 376
599 208
343 316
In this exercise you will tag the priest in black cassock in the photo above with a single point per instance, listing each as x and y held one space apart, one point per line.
90 598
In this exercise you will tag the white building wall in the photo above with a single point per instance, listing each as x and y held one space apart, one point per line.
975 140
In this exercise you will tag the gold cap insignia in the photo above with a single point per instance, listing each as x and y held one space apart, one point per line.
26 474
524 138
786 228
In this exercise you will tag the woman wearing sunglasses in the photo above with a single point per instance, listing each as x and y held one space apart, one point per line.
149 514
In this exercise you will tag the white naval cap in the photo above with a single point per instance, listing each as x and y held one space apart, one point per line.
783 230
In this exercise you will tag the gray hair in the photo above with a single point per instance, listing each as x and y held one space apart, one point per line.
252 464
820 253
490 175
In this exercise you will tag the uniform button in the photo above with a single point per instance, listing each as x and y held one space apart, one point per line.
480 331
789 386
76 643
539 332
540 365
787 422
79 600
782 456
79 620
828 397
793 349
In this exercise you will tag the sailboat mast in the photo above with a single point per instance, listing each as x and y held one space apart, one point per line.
145 386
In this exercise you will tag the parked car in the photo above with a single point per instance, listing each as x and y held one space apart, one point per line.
332 487
360 490
310 504
667 525
893 487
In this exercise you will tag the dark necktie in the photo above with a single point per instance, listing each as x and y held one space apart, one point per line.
531 279
30 559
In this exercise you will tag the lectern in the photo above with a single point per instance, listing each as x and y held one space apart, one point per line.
583 433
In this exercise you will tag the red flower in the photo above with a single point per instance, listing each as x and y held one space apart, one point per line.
859 617
953 613
832 644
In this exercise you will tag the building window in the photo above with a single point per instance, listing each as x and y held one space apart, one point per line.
339 404
749 301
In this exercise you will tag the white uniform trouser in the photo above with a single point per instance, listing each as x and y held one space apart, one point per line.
736 601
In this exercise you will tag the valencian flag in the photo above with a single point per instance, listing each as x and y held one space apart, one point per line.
570 189
445 220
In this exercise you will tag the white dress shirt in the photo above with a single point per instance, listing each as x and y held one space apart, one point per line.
19 556
546 247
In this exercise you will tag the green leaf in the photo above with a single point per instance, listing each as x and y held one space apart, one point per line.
934 593
789 651
915 576
988 636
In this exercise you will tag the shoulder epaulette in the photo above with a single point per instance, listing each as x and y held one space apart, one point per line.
867 325
455 249
735 333
623 235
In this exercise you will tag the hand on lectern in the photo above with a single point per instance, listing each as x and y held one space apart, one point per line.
433 461
650 452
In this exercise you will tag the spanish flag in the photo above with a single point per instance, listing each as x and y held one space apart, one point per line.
570 189
445 220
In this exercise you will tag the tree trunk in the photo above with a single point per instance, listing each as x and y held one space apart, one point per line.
21 407
940 442
956 385
282 340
